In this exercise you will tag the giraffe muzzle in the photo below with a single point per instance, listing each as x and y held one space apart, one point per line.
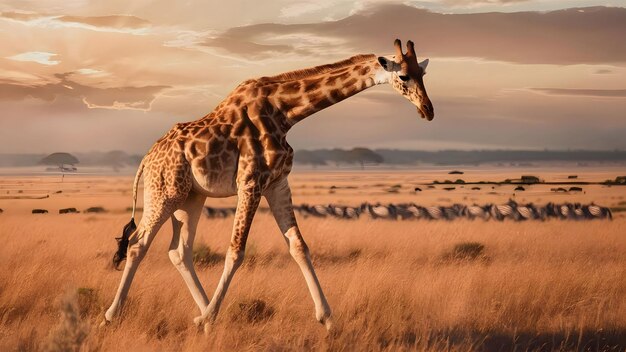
427 111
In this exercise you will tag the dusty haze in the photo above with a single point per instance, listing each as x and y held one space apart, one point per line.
117 75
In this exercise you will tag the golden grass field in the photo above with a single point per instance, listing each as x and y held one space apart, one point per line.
555 285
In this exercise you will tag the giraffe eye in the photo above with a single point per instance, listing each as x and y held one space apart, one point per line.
404 78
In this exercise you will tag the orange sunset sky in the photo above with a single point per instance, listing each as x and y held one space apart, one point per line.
103 75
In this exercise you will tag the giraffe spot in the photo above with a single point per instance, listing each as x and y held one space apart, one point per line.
267 108
214 145
350 82
315 97
321 104
267 90
236 100
330 80
196 129
336 95
287 104
224 129
344 76
365 70
291 87
312 84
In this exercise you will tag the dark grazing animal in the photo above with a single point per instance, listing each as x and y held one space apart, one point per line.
68 211
95 210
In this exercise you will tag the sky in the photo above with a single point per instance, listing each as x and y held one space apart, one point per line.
80 75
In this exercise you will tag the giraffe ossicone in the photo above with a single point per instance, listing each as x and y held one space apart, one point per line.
241 149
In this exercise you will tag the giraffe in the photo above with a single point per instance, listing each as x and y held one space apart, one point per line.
241 149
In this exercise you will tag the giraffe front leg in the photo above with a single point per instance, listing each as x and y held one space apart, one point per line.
247 204
279 200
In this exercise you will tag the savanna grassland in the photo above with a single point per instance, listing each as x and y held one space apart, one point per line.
393 285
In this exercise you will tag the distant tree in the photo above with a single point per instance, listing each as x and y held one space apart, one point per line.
308 157
60 160
365 156
116 159
338 156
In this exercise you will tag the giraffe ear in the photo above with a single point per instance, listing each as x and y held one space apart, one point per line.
387 64
424 64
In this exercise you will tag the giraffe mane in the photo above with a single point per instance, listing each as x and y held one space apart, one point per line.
307 72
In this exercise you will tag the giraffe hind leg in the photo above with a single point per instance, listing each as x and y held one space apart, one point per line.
185 222
138 245
162 196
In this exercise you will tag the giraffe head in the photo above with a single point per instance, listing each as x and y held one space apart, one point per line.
407 77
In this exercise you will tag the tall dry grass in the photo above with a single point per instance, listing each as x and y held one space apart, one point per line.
392 286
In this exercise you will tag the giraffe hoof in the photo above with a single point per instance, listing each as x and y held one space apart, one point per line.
104 323
198 321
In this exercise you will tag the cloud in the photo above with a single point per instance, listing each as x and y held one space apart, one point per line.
602 71
563 37
40 57
603 93
299 8
112 23
90 71
246 48
134 98
20 16
455 3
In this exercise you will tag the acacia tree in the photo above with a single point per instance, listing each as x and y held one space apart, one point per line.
60 160
365 156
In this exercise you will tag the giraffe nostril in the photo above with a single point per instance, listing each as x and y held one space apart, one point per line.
426 107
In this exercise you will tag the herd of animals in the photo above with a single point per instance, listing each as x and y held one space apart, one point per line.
410 211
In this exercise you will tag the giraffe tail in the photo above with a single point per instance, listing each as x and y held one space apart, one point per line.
129 229
135 186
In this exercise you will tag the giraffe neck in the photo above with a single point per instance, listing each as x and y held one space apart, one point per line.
308 91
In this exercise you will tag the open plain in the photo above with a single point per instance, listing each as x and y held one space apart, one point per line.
392 285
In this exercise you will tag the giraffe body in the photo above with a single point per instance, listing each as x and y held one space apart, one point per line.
241 149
